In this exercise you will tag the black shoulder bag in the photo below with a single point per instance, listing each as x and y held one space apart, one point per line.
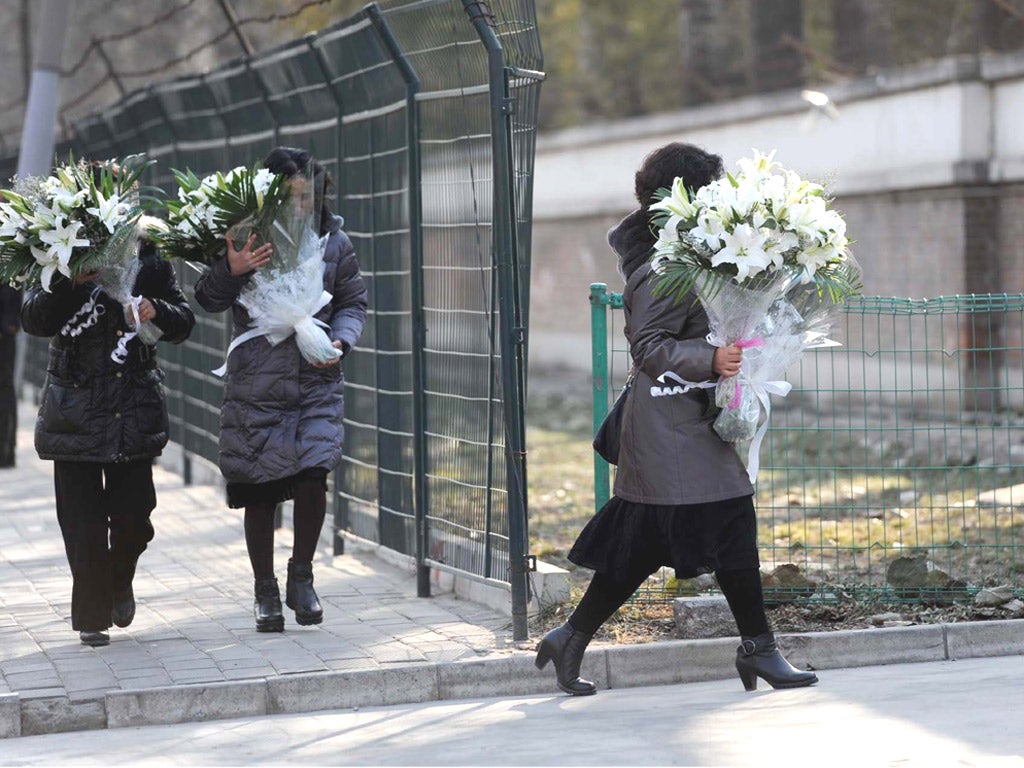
609 434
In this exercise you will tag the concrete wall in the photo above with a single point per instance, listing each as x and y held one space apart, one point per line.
927 163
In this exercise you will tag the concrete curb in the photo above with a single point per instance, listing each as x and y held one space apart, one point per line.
659 663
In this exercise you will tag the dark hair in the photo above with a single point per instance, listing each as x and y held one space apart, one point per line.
291 161
660 168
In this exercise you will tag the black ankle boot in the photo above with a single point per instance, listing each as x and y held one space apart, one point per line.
95 639
300 595
759 657
267 606
123 611
565 645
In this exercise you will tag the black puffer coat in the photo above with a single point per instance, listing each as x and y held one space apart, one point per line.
94 409
280 414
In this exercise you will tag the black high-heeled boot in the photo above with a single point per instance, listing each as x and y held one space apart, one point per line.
267 606
300 595
760 657
565 645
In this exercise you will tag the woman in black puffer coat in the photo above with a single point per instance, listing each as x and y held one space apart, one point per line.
102 423
281 427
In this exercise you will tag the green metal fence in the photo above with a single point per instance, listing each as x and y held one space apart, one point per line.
425 112
895 468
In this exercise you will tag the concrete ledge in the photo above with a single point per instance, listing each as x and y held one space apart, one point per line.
511 676
865 647
673 661
658 663
406 684
985 638
186 703
10 715
58 714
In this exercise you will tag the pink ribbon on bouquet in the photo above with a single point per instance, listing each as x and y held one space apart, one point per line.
756 341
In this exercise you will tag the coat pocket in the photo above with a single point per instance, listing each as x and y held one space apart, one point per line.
65 409
150 402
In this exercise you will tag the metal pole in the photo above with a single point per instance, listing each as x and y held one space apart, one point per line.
599 373
26 52
419 330
109 65
339 510
179 350
512 333
232 17
37 137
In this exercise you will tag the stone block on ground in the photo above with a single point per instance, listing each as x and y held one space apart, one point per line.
703 617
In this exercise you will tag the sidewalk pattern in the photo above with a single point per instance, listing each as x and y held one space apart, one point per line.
194 591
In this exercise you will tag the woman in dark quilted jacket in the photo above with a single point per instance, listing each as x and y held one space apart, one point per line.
102 421
281 426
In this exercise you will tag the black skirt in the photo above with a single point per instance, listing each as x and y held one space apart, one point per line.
273 491
625 538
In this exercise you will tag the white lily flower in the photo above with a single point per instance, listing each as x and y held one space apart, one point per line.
778 245
110 211
43 219
11 221
744 247
677 204
815 257
760 165
710 228
805 218
62 240
262 181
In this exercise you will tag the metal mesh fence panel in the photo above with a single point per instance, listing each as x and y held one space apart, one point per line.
895 468
424 124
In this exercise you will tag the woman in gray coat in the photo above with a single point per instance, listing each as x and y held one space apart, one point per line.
682 497
281 420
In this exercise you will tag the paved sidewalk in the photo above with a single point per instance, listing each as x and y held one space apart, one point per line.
194 589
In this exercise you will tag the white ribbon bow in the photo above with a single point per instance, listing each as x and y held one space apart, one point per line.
276 333
120 353
763 389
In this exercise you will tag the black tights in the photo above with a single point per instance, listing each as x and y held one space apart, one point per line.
309 512
605 596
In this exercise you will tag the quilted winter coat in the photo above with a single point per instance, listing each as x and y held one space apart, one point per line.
280 414
94 409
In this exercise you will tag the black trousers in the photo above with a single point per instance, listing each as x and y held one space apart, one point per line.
8 401
103 511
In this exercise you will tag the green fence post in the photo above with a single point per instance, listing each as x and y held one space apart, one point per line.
503 223
418 316
601 385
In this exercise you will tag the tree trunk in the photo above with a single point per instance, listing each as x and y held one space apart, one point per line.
863 34
778 34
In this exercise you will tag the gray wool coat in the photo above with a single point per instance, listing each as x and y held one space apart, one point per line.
670 453
280 414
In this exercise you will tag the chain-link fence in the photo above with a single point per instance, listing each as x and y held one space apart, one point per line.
425 112
895 467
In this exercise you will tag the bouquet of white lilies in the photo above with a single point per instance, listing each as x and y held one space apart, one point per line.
239 202
282 297
78 220
769 261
